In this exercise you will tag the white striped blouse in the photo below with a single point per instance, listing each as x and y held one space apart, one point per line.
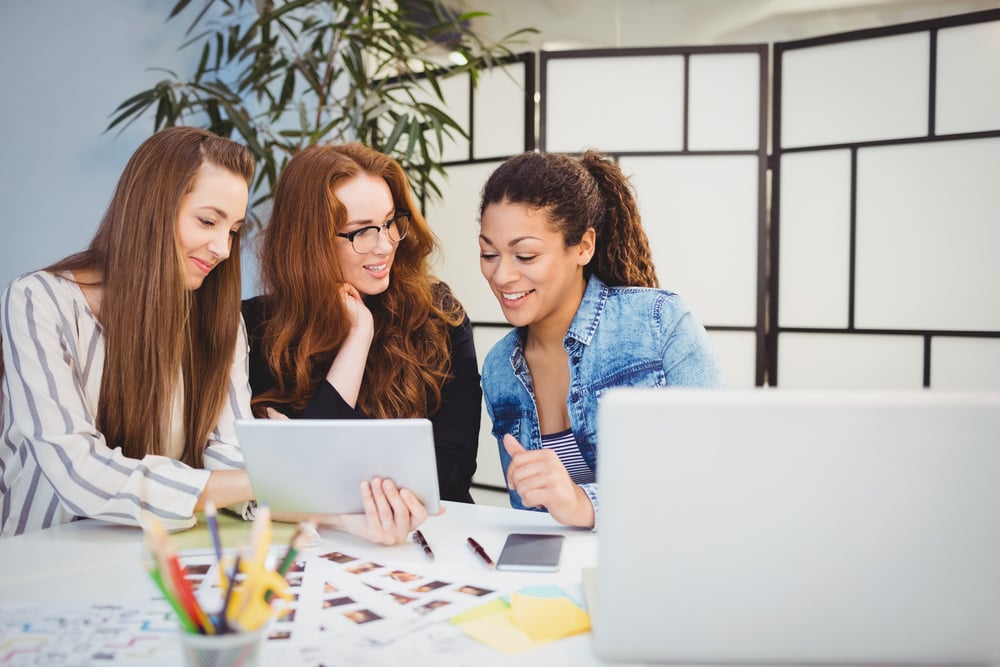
55 466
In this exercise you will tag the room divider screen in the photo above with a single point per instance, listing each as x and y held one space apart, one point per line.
885 227
842 231
689 125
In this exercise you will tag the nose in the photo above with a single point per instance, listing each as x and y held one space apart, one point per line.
220 245
383 244
505 271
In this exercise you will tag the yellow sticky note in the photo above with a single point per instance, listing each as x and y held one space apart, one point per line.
497 606
498 632
546 619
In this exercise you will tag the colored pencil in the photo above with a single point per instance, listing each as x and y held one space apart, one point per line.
182 615
213 529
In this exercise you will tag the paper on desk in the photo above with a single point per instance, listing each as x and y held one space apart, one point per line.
530 618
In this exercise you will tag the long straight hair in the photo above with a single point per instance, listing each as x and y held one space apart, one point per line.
156 330
306 322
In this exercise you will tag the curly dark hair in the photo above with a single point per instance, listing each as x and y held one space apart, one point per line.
576 194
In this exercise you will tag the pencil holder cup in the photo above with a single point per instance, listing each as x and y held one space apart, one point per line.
235 649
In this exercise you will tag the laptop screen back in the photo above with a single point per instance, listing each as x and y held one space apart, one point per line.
772 526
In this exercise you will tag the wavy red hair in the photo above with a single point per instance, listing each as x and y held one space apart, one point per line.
300 273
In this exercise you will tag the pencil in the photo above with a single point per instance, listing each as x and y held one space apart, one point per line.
302 535
213 529
182 615
172 576
261 536
230 585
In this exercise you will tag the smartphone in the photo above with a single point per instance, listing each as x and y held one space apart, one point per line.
531 552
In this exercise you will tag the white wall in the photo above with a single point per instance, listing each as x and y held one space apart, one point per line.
66 65
581 24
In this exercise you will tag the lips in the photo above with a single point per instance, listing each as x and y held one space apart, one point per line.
377 271
203 266
515 296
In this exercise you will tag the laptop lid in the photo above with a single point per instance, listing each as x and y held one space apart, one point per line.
770 526
317 465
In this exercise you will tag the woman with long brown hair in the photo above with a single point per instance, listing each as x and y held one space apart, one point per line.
351 324
124 366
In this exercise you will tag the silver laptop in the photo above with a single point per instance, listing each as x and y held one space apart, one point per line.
316 466
770 526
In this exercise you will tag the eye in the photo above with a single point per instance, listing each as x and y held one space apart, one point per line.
206 222
483 254
525 258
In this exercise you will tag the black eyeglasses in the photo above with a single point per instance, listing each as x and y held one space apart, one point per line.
365 239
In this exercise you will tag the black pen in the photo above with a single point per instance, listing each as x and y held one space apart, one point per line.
418 537
481 552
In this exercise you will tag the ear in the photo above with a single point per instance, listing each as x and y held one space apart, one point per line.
585 248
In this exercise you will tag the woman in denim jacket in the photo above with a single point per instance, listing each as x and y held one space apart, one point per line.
563 249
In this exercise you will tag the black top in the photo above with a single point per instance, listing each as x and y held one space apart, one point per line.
456 422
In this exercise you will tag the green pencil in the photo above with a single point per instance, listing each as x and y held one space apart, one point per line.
182 616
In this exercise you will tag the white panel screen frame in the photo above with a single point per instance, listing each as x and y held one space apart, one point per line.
864 90
724 101
641 102
922 209
501 112
965 363
700 214
928 236
850 361
737 352
815 259
968 84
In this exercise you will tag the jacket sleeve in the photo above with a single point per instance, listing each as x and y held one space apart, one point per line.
689 358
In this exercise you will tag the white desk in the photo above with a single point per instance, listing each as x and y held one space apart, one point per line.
95 562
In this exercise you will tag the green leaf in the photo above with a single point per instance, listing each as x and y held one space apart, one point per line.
178 8
282 74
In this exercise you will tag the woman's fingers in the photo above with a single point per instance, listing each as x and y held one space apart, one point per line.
390 513
274 414
387 529
416 509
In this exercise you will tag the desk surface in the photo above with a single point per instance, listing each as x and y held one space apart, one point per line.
94 562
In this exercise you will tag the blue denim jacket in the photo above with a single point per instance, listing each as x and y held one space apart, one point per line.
619 337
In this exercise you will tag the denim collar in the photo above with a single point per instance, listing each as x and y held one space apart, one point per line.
588 314
584 324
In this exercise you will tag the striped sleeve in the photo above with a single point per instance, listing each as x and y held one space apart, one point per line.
223 452
66 469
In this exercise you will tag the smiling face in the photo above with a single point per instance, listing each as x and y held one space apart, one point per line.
524 258
211 214
368 202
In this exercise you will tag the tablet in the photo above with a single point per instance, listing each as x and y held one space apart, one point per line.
317 465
